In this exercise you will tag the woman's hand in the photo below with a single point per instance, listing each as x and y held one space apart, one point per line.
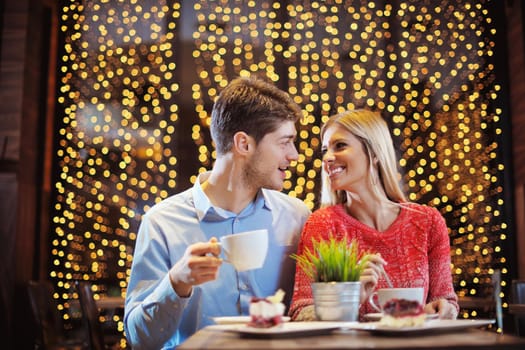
307 313
442 307
370 275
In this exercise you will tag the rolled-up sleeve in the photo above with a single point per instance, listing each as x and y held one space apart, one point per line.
153 310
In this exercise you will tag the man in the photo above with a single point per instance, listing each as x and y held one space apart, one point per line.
178 283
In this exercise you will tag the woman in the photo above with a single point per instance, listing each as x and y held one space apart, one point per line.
362 199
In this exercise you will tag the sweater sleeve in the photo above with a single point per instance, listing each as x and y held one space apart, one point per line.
440 276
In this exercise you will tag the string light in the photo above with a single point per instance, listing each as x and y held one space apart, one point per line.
427 66
119 115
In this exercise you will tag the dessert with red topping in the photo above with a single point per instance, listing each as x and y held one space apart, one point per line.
267 312
402 313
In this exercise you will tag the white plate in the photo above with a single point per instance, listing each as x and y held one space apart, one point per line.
433 326
284 330
376 316
238 319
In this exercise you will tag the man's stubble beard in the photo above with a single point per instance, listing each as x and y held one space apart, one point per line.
256 178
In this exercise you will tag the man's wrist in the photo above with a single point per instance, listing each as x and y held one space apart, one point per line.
182 289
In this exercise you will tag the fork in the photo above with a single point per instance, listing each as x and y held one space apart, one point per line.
387 278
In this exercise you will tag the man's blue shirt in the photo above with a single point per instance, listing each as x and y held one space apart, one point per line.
155 316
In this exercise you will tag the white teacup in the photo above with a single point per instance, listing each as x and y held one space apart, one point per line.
385 294
245 250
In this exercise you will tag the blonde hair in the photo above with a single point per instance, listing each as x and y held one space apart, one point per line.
371 129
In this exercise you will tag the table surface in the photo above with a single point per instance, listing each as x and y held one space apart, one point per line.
103 303
110 302
472 338
517 309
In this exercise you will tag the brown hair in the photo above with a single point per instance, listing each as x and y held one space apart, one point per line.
251 105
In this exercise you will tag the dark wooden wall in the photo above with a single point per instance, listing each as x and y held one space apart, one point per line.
24 139
14 22
516 63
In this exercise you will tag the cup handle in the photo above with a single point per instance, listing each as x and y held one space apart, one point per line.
373 303
221 255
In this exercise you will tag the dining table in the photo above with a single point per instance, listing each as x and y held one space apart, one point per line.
110 302
337 335
106 303
517 309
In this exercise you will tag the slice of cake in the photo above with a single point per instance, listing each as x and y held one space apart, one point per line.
267 312
402 313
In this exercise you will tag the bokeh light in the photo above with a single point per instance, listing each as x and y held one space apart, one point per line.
428 66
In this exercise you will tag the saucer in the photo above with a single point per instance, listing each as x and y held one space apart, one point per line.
239 319
376 316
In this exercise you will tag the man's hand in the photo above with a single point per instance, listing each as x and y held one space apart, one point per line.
199 264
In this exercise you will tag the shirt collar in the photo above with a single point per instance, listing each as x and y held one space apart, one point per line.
206 210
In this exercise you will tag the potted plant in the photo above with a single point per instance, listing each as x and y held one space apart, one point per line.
334 267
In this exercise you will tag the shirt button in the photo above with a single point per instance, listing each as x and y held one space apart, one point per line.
244 286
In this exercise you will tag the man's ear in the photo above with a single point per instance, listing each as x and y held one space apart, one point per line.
242 142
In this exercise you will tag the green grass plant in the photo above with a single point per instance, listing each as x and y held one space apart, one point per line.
332 260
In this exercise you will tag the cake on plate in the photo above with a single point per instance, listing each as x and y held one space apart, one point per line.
402 313
267 312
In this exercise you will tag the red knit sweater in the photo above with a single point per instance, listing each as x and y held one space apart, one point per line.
416 248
